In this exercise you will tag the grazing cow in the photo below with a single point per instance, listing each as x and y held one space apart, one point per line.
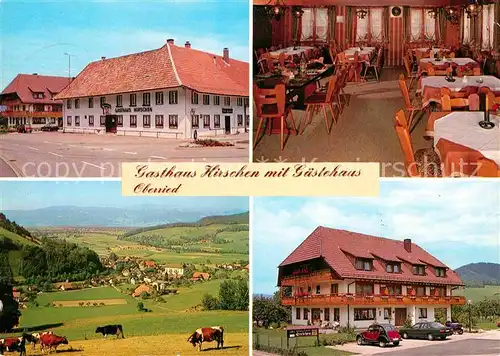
214 333
111 330
52 341
13 344
34 338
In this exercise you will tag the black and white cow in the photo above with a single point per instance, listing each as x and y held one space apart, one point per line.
111 330
13 344
214 333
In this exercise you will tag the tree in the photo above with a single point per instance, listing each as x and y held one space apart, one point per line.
267 310
9 313
210 302
233 295
140 306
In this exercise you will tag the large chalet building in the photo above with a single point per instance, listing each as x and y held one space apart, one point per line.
30 100
357 279
174 91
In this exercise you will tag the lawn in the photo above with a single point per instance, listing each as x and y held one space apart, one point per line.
478 294
81 294
15 237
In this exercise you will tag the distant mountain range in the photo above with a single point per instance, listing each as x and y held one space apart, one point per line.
478 274
139 216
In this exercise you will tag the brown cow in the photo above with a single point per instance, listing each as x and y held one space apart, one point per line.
52 341
13 344
214 333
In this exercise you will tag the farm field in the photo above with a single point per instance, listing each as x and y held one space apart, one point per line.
162 345
478 294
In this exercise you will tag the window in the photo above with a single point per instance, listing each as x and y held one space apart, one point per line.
488 30
146 121
418 291
297 313
306 314
91 120
327 314
146 99
423 26
247 120
387 313
216 100
227 101
133 99
393 267
240 120
318 289
422 313
245 102
194 98
196 121
364 264
133 120
173 121
364 314
77 120
91 103
102 100
334 289
68 104
336 314
38 95
206 121
159 121
390 289
239 101
68 120
371 27
314 25
119 101
364 289
38 120
103 120
206 99
440 272
119 120
159 98
438 292
419 270
173 97
216 121
77 104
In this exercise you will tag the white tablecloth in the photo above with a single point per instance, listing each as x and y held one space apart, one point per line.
463 128
440 82
364 51
290 51
458 61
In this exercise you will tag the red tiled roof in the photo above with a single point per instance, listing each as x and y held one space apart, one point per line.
167 67
24 85
331 244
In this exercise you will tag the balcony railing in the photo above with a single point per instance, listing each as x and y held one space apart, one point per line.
11 113
319 276
352 299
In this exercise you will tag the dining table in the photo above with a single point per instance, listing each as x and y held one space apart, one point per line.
364 53
460 141
290 52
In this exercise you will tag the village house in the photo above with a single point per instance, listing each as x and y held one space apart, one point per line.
141 289
16 294
174 91
357 279
173 271
30 100
65 286
200 276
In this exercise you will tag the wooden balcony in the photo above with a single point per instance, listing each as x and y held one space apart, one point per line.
314 277
351 299
32 114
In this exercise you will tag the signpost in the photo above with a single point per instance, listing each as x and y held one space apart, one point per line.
301 331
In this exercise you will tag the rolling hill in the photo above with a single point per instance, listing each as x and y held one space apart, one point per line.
480 274
10 248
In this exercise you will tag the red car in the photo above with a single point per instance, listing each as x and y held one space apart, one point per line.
380 334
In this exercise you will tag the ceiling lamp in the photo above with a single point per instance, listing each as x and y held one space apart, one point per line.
361 13
297 11
452 15
275 9
474 7
432 13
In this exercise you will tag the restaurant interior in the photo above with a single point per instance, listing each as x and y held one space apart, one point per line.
412 84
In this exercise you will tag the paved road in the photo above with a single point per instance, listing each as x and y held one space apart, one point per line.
56 154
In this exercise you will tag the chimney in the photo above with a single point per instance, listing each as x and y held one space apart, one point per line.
170 41
226 55
407 245
103 58
35 73
187 44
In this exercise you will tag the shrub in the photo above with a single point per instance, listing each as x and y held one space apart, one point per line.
140 306
212 143
408 322
210 302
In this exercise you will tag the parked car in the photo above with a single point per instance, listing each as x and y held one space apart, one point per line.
457 328
24 129
380 334
426 330
49 127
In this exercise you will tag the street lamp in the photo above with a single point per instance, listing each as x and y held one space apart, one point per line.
469 302
69 63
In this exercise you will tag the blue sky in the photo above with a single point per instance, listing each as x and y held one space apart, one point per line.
36 34
22 195
458 221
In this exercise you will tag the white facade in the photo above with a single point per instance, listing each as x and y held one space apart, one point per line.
345 315
215 117
31 110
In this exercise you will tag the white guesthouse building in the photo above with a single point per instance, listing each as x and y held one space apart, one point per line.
173 91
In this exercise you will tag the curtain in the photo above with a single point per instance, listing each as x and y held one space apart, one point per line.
306 33
295 28
348 20
331 23
442 25
488 18
497 28
361 28
386 20
321 24
406 23
429 26
416 24
376 24
466 28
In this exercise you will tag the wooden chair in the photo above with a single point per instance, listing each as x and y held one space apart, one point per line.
487 168
375 64
452 54
412 75
409 106
321 100
270 105
424 162
476 71
471 103
491 99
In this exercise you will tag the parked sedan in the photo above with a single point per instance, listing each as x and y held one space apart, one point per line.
379 334
426 330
